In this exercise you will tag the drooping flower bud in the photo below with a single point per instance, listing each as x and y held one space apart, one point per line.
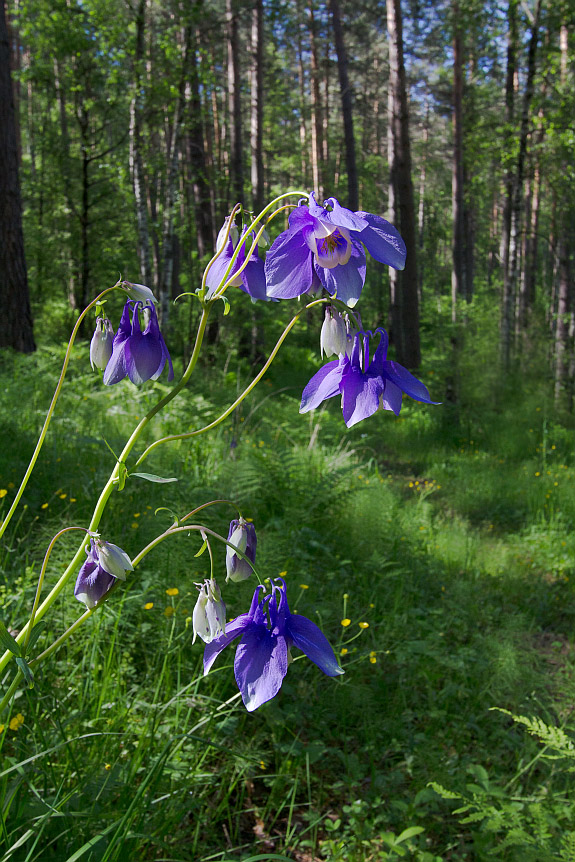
333 338
139 291
209 615
233 235
105 563
101 343
113 559
243 536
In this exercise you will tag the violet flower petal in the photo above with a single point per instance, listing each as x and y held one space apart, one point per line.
347 279
407 382
382 241
360 396
323 385
288 266
391 397
233 630
307 637
260 666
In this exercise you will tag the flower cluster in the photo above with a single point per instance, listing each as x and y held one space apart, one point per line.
131 353
268 631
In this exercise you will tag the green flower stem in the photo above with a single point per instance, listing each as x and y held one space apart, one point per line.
225 238
204 506
41 582
10 691
245 233
104 496
88 613
51 408
187 435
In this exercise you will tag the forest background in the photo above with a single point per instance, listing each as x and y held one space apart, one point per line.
137 126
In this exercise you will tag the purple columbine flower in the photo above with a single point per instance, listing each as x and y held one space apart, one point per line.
243 536
251 280
325 245
268 632
365 386
139 355
101 343
105 563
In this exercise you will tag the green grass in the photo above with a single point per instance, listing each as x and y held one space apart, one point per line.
449 531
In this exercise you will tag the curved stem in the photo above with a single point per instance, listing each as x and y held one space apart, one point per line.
88 613
107 490
187 435
11 689
51 408
41 582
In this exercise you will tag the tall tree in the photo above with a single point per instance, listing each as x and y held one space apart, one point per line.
16 318
346 107
257 90
407 339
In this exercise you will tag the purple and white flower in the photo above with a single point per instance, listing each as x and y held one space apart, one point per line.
251 280
105 563
268 632
365 386
138 355
324 246
243 536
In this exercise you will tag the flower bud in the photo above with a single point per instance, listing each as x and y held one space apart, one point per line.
333 338
209 615
112 559
233 235
139 291
101 343
243 536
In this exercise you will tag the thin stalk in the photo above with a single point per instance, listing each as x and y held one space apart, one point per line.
41 582
187 435
51 408
107 490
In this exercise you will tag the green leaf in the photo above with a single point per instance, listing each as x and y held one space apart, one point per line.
34 635
410 832
26 672
151 477
202 549
8 641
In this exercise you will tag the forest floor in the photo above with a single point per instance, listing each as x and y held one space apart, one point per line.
444 536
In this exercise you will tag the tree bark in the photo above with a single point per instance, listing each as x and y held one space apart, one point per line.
16 319
316 125
509 286
135 153
458 238
257 90
346 107
234 103
400 169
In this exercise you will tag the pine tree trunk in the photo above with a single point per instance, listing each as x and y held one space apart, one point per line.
316 124
16 318
346 107
135 153
458 239
400 167
256 130
234 103
510 281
